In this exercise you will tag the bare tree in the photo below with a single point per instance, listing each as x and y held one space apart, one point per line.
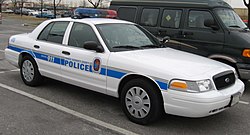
248 7
14 2
1 3
41 6
95 4
21 3
55 5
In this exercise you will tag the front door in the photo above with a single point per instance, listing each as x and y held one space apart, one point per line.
81 67
203 40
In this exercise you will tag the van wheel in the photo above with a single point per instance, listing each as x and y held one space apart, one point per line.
29 72
141 101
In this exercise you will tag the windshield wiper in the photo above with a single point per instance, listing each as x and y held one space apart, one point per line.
234 26
127 47
150 46
246 29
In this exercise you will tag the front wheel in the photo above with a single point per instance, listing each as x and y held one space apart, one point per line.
29 72
141 101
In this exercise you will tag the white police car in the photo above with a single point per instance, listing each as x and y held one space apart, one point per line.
122 59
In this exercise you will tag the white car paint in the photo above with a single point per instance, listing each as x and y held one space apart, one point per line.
159 65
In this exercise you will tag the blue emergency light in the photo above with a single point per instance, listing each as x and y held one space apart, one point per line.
94 13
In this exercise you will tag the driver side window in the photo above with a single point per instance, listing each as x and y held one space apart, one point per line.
81 33
196 19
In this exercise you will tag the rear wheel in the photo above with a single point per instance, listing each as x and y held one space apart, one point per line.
141 101
29 72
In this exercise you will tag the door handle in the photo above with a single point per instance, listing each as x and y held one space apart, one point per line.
188 33
65 52
36 46
161 32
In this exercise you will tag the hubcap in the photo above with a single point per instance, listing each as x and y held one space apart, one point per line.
137 102
28 71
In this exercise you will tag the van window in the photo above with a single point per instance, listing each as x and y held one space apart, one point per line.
196 19
171 18
127 13
149 17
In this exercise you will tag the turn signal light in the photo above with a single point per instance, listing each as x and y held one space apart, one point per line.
246 53
179 85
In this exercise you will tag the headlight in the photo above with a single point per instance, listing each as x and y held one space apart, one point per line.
191 86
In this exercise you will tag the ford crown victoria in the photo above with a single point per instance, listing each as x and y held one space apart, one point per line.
122 59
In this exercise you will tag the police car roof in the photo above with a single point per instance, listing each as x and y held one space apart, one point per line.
94 21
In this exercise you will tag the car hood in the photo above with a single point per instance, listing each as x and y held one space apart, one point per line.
169 62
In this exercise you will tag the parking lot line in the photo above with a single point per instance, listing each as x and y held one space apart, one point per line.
14 70
69 111
243 102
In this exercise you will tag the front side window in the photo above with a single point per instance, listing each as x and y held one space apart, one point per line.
171 18
196 19
44 34
149 17
230 18
80 34
120 37
54 32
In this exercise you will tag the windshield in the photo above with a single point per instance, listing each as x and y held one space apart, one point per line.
230 18
122 37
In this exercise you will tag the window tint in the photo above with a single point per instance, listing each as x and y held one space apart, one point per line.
57 32
171 18
81 33
196 19
149 17
44 34
127 13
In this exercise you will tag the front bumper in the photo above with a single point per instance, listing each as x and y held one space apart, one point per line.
244 71
199 104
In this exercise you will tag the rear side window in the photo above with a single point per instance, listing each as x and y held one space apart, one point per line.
149 17
57 32
81 33
127 13
196 19
54 32
44 34
171 18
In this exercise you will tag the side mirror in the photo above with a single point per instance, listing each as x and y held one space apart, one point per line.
211 24
92 45
164 39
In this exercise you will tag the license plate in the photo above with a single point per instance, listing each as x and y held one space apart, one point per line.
235 99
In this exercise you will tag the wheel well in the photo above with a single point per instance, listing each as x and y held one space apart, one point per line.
21 57
226 62
130 77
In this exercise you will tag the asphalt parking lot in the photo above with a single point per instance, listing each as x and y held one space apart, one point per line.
59 108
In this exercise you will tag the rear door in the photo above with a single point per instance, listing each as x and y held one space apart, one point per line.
48 48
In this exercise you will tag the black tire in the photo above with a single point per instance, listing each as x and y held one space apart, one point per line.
37 78
156 103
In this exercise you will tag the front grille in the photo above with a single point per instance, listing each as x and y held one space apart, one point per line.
224 80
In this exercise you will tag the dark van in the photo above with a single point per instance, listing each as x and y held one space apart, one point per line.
209 28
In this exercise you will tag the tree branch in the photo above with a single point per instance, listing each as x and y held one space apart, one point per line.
58 3
246 4
90 1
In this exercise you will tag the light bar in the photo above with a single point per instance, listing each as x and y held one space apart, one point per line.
94 13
